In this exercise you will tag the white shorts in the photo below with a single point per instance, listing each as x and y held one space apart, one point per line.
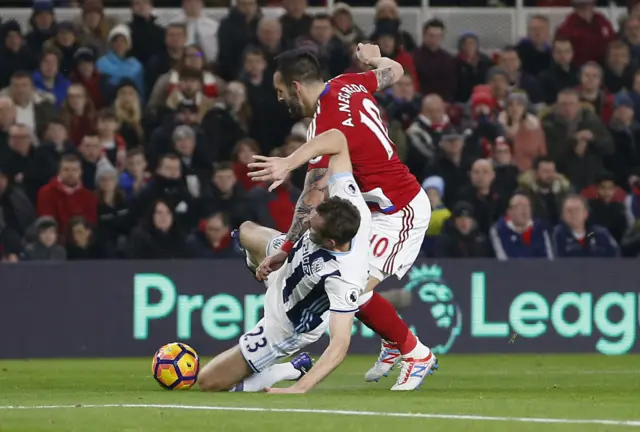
273 337
274 244
396 238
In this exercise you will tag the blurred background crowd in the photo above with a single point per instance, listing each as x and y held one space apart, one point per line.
131 139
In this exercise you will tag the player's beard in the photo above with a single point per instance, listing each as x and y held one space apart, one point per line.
316 238
296 110
295 105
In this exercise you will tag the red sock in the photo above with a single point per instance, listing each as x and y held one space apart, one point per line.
381 317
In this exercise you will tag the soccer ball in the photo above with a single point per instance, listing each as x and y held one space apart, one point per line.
175 366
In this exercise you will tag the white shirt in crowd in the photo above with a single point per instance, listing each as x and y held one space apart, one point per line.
202 31
26 115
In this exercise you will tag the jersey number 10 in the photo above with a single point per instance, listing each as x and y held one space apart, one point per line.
371 119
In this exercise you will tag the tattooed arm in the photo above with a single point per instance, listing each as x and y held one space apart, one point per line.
314 192
315 187
387 71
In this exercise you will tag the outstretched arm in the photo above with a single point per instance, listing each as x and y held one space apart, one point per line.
388 71
340 330
332 143
315 186
313 193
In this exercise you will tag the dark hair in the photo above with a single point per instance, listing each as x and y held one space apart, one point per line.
616 45
341 220
193 46
562 40
107 114
22 74
222 166
221 215
177 25
604 176
542 159
433 23
299 65
168 156
135 152
250 142
253 50
570 91
187 73
69 157
51 50
509 48
77 220
55 121
152 210
322 16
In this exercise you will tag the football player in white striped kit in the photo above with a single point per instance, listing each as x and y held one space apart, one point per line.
316 289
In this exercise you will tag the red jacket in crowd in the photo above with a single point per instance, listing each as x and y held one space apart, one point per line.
63 203
242 175
589 39
282 208
79 126
94 87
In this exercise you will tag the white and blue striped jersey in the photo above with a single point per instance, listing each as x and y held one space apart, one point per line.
315 281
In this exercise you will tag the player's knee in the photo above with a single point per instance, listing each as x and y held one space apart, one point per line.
209 382
246 227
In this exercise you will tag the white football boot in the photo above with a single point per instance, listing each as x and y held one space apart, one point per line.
414 371
388 358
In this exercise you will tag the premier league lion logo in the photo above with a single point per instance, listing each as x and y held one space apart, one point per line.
427 285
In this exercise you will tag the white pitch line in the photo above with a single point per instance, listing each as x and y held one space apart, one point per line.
631 423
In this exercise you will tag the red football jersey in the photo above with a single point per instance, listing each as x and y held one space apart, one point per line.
347 104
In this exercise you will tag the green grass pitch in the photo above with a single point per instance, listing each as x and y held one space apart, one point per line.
526 393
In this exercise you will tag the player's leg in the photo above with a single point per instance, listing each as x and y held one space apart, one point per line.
270 341
256 241
289 371
396 241
249 366
224 371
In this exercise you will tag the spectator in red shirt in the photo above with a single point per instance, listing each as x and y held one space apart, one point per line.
78 114
592 92
98 88
65 197
589 32
242 155
213 239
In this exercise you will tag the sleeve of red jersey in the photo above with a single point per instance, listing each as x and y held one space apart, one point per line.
367 79
318 162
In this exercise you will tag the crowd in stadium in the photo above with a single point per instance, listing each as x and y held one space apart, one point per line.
130 140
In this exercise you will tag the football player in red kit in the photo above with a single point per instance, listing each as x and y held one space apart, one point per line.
344 113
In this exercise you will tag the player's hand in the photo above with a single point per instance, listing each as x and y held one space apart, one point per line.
287 390
273 169
365 52
270 264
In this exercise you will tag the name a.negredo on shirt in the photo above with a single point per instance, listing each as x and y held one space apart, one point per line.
344 97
